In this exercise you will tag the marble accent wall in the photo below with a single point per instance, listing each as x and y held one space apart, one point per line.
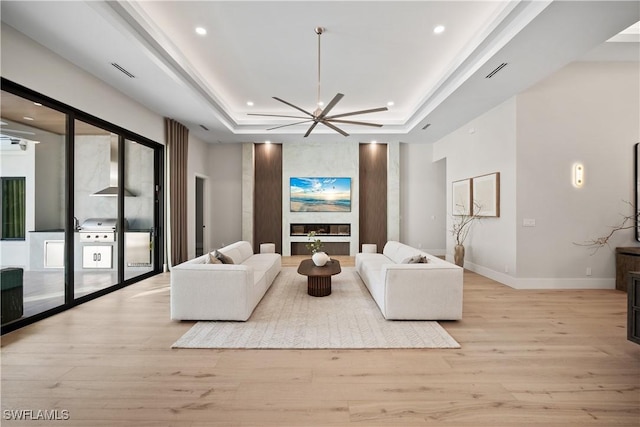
320 159
247 192
393 191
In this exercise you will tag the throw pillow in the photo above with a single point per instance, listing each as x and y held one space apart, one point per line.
222 257
418 259
213 260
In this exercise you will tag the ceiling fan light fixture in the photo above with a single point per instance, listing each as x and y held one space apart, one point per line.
321 115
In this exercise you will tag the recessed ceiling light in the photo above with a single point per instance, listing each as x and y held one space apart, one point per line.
439 29
374 142
37 104
250 103
202 31
28 118
267 142
390 104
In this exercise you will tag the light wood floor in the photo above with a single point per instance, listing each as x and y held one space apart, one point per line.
528 358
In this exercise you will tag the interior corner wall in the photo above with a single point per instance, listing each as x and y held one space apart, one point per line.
485 145
225 195
197 166
587 113
423 196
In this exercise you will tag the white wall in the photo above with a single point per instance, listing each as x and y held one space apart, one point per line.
30 64
225 172
197 166
588 113
423 221
485 145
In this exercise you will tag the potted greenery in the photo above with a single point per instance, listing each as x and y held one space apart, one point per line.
315 245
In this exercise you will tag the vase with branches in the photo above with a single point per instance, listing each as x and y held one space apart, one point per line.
315 244
460 228
627 222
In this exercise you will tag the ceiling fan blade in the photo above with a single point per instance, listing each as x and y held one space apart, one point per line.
353 113
290 124
330 105
315 123
351 122
277 115
337 129
294 106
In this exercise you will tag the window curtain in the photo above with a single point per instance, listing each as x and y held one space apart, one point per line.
177 146
13 208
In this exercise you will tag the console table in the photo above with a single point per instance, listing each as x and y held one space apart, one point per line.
627 260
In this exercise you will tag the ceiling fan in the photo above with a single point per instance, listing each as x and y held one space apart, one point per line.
320 115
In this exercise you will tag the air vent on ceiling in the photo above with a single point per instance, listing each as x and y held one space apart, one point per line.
122 70
204 127
498 68
426 126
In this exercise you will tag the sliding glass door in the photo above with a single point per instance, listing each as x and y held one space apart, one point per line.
80 206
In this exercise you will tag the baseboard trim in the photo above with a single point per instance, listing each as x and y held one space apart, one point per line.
542 282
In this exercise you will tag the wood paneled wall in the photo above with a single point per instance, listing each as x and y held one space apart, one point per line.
373 195
267 212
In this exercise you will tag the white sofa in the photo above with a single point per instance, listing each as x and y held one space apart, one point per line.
204 291
403 291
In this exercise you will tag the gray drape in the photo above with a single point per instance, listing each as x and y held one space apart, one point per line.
177 146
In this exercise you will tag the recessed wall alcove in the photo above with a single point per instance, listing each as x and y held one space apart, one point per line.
319 159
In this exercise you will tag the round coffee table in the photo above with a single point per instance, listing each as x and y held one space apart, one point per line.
319 278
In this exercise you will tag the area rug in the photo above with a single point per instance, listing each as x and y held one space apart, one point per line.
288 318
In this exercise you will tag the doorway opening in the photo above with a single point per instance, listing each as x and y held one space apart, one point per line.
200 231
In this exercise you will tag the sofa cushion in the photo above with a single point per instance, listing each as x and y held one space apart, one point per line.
223 258
398 252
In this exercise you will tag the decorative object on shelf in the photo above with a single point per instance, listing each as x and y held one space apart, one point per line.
320 259
460 227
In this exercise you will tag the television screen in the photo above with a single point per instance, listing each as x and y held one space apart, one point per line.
323 194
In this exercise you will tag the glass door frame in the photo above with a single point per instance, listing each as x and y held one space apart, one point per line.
73 114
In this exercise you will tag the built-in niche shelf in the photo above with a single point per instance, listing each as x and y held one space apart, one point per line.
335 237
320 229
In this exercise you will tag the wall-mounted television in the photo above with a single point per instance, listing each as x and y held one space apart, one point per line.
320 194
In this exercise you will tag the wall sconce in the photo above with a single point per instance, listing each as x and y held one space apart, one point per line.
578 175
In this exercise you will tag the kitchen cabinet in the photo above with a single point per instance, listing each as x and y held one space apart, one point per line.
97 256
54 254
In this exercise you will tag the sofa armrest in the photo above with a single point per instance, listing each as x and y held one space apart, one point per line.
204 291
422 291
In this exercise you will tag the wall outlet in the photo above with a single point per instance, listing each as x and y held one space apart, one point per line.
588 271
528 222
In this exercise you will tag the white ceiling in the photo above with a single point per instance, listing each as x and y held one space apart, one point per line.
372 51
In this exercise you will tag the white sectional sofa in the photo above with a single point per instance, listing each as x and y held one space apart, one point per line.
201 290
420 291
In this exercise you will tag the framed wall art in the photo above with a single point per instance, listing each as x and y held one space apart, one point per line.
486 194
461 197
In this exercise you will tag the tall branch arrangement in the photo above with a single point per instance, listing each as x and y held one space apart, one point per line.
462 224
626 223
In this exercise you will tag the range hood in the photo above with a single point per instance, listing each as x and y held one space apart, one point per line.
112 189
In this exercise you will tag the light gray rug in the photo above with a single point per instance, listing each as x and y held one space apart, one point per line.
288 318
